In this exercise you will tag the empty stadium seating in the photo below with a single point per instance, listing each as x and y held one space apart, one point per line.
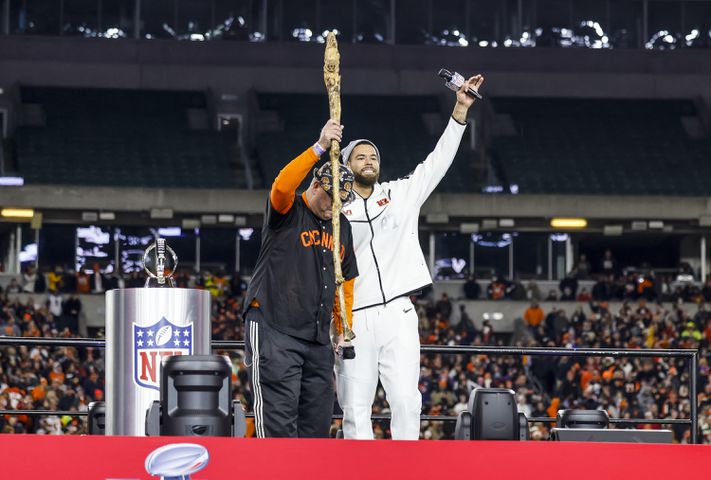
591 146
120 138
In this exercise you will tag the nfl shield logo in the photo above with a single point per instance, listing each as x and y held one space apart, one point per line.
152 343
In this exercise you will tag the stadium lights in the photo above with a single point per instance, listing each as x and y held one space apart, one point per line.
11 181
161 213
469 228
612 230
506 222
569 223
17 213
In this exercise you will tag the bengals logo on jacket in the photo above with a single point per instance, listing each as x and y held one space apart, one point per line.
316 238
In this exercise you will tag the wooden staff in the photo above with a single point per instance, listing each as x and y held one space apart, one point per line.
332 78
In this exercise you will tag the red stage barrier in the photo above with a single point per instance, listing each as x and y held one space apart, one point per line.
75 457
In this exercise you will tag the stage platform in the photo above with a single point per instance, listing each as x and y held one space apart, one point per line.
85 457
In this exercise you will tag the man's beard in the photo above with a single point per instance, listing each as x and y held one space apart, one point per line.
365 181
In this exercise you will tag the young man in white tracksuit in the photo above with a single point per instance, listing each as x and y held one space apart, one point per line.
384 221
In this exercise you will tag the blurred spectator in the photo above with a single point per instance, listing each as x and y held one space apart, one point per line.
604 288
534 315
9 327
583 296
646 287
465 324
556 322
630 287
29 279
54 303
706 289
552 296
472 289
115 281
54 279
13 286
97 280
583 266
71 308
444 306
83 282
533 292
691 332
516 291
569 286
182 279
69 281
496 289
609 265
487 332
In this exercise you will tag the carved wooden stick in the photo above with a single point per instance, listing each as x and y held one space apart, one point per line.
332 78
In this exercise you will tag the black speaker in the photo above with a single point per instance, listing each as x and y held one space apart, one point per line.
614 435
96 423
582 419
494 415
196 396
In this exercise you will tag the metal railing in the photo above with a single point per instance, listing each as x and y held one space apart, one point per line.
691 354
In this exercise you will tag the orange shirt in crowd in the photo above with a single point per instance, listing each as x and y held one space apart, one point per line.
83 283
533 316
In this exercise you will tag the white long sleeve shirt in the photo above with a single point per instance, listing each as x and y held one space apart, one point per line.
385 234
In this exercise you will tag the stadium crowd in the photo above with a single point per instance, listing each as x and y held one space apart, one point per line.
67 379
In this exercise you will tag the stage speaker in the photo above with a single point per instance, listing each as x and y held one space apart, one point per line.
196 399
582 419
494 415
96 424
606 435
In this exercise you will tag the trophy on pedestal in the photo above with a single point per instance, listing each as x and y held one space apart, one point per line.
144 325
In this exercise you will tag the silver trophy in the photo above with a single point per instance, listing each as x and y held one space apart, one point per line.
158 265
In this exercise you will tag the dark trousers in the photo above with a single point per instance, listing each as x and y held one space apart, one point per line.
291 380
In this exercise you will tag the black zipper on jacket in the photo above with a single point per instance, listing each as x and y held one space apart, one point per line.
372 250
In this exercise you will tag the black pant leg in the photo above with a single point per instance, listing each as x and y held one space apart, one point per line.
317 395
275 377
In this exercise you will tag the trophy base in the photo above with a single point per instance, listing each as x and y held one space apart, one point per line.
346 352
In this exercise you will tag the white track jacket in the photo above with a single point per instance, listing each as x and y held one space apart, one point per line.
385 237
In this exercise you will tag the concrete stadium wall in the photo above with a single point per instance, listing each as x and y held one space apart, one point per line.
235 67
459 206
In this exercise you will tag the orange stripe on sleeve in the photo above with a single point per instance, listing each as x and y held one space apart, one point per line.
289 179
348 296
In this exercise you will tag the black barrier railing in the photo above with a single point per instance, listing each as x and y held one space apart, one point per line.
336 416
377 417
691 354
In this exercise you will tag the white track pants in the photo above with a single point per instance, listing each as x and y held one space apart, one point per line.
387 345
